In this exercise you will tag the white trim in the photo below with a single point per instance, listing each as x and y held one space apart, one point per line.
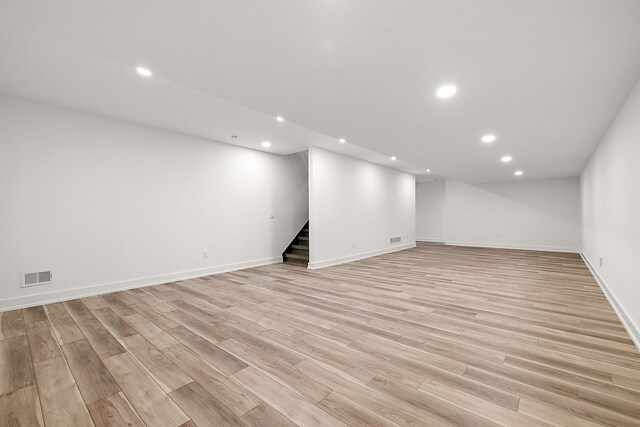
632 330
335 261
514 246
64 295
431 239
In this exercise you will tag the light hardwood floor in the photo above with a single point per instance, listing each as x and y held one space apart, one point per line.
432 336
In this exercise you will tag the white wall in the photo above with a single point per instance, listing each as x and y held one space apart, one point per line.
526 214
538 214
110 205
610 186
430 199
355 207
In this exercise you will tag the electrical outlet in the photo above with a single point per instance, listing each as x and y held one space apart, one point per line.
354 244
601 261
205 254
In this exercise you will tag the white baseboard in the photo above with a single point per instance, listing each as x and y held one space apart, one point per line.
431 239
514 246
335 261
64 295
626 321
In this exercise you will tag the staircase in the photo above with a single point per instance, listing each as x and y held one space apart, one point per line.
298 251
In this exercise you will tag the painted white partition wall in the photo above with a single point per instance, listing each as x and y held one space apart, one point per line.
355 207
539 214
430 197
610 186
111 205
525 214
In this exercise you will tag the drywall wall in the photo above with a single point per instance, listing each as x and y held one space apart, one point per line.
610 186
111 205
537 214
525 214
355 207
430 199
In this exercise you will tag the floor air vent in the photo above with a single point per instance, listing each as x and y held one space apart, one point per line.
36 278
395 239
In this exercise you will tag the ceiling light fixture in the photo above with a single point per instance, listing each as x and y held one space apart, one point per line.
446 91
518 173
428 170
266 144
143 71
506 159
393 157
488 138
342 140
280 119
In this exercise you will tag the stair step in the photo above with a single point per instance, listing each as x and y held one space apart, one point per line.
300 262
298 250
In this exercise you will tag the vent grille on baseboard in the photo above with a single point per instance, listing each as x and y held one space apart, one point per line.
36 278
397 239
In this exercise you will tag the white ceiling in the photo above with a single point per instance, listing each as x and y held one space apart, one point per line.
545 76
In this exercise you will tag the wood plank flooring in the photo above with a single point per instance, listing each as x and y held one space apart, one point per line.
432 336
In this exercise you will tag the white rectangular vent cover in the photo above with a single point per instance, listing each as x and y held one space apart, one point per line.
36 278
395 239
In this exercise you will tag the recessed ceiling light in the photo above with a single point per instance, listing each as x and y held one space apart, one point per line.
428 170
518 173
280 119
266 144
506 159
342 140
446 91
393 157
143 71
488 138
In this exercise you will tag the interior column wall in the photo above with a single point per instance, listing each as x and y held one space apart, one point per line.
430 199
356 207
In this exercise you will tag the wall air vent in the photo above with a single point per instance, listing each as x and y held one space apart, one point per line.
397 239
36 278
